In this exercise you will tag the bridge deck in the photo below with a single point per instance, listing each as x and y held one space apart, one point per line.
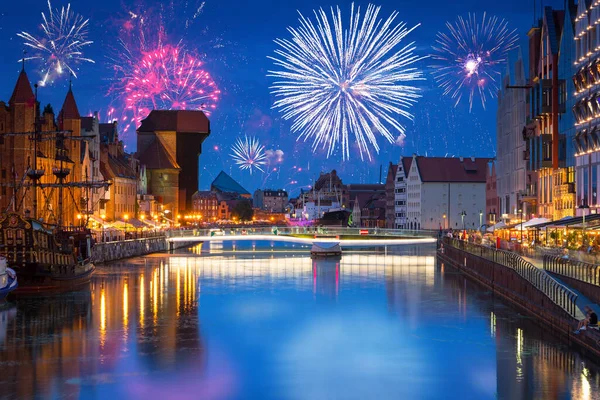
292 239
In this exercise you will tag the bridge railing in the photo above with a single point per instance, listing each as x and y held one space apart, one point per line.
319 231
581 271
539 278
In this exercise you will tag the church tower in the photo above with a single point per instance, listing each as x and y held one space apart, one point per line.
15 154
69 119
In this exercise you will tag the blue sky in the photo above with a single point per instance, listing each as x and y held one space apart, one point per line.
246 30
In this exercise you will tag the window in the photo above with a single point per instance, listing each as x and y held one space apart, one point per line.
400 179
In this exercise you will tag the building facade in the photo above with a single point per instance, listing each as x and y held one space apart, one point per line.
169 143
446 193
587 105
390 197
400 193
550 190
206 205
510 147
271 200
56 161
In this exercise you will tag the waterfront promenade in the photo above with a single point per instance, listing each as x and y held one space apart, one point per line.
548 298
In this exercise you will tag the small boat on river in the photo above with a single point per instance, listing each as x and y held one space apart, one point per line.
8 279
326 250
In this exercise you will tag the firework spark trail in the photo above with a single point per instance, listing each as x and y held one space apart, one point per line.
248 154
61 46
168 78
470 54
337 80
147 57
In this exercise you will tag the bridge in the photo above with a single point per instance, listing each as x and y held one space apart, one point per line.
346 237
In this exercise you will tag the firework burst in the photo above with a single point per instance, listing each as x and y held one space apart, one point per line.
470 54
168 78
249 154
60 48
340 79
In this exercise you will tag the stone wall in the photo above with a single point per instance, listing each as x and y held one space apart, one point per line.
112 251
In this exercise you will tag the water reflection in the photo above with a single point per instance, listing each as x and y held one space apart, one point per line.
271 326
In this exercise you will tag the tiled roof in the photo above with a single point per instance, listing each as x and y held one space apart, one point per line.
69 109
204 194
441 169
157 157
406 163
225 183
186 121
22 92
116 167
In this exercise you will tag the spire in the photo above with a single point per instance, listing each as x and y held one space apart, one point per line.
69 109
22 92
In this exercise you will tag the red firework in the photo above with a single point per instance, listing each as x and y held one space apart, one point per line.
168 78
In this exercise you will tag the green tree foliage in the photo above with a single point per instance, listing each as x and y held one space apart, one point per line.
243 210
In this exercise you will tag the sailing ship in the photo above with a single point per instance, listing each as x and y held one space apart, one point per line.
45 254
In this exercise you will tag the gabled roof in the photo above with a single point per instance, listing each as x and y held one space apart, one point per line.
22 92
225 183
108 132
391 175
441 169
69 109
406 163
116 167
184 121
157 157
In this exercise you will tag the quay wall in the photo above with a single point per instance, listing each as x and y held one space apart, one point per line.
510 286
112 251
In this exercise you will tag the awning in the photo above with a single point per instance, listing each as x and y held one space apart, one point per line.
499 225
532 223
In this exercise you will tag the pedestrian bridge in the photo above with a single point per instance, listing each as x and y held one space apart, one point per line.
346 237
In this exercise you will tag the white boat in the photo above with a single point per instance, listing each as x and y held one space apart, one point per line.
8 279
326 249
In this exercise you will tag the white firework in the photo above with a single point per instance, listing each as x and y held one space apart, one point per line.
61 44
340 79
249 154
469 56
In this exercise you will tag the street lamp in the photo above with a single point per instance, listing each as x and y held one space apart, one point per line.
583 207
79 219
103 216
521 216
126 217
462 216
480 219
444 217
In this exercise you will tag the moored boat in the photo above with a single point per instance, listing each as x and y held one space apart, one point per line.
326 250
8 279
45 258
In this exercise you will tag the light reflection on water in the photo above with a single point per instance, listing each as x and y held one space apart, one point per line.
214 324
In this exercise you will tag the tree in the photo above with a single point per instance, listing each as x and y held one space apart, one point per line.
243 210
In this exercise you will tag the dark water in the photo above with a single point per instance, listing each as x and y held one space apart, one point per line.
257 324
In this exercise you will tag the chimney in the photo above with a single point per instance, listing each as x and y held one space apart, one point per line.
96 115
472 158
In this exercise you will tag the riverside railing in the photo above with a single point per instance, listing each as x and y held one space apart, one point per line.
319 231
581 271
539 278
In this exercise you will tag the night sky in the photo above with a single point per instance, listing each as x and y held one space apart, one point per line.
236 38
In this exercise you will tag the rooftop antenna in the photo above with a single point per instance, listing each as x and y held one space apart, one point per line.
23 60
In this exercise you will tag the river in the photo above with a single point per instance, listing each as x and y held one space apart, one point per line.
264 321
